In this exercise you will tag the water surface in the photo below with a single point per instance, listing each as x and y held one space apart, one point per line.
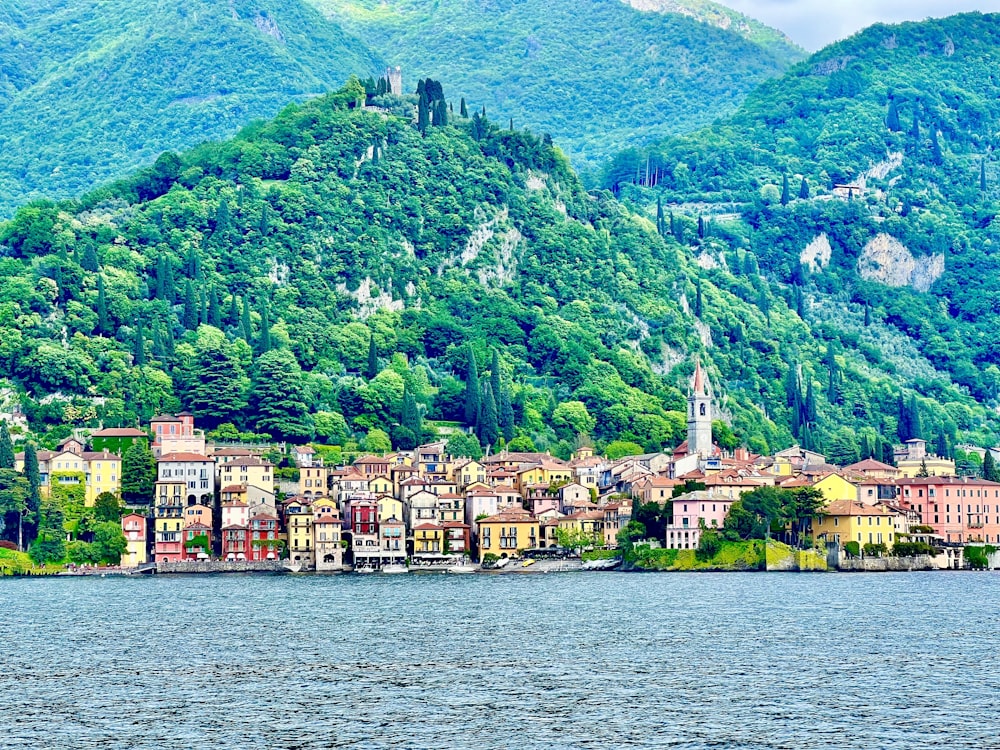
602 660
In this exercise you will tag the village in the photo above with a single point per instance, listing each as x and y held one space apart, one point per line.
214 505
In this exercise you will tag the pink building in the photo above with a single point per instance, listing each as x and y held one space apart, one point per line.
690 511
959 509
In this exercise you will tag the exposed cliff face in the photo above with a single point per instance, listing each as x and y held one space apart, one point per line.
887 261
816 255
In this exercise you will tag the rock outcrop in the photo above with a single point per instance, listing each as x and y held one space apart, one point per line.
887 261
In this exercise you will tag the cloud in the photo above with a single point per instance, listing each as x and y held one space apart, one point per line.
816 23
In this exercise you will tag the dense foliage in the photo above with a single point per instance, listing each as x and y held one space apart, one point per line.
593 74
91 89
337 273
902 118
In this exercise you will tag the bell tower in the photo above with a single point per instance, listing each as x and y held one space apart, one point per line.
699 415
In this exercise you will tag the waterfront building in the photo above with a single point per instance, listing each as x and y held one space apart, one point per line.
959 509
176 434
197 472
236 543
136 548
264 541
327 535
692 510
197 542
299 527
168 522
508 533
845 521
912 459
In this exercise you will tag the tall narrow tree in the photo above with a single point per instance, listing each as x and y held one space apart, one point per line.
190 316
214 311
6 448
103 321
804 189
472 387
372 369
246 326
892 118
89 261
489 424
495 380
785 195
506 414
138 346
264 340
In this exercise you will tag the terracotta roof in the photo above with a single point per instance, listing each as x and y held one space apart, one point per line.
511 515
165 418
184 457
327 519
371 460
235 488
304 449
851 508
456 525
119 432
234 526
235 504
100 456
247 462
964 481
427 527
870 464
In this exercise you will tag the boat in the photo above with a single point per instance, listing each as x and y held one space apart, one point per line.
395 569
463 569
364 569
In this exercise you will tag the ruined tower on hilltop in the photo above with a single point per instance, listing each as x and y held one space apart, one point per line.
395 78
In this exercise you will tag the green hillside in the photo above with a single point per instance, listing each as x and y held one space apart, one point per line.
904 118
90 89
338 273
593 74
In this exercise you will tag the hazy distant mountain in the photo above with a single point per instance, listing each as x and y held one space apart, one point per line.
92 88
595 74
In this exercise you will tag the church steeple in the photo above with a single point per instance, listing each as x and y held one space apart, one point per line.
699 414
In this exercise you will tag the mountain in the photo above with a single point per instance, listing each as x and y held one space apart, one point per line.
593 74
90 89
865 182
345 272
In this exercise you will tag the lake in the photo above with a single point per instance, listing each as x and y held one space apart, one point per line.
601 660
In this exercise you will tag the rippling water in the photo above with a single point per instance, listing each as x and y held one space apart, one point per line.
511 661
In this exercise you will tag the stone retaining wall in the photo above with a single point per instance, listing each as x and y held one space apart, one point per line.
887 564
222 566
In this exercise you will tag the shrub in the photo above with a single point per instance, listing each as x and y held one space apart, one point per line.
875 549
853 549
489 560
709 545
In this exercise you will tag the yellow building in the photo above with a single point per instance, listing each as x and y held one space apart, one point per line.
848 521
936 467
589 522
98 472
468 473
313 481
380 486
428 539
299 522
834 487
389 507
508 533
249 471
547 472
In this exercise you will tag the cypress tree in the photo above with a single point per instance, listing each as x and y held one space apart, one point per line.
495 381
506 415
698 302
990 471
190 317
936 154
103 321
785 197
264 340
868 315
941 447
489 425
31 473
202 305
372 370
233 316
89 261
169 287
159 350
659 215
472 388
138 346
914 418
804 189
6 448
915 128
411 418
511 125
265 220
161 277
892 118
462 110
214 313
982 176
246 326
423 114
222 221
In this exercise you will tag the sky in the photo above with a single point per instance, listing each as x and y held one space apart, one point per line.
815 23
